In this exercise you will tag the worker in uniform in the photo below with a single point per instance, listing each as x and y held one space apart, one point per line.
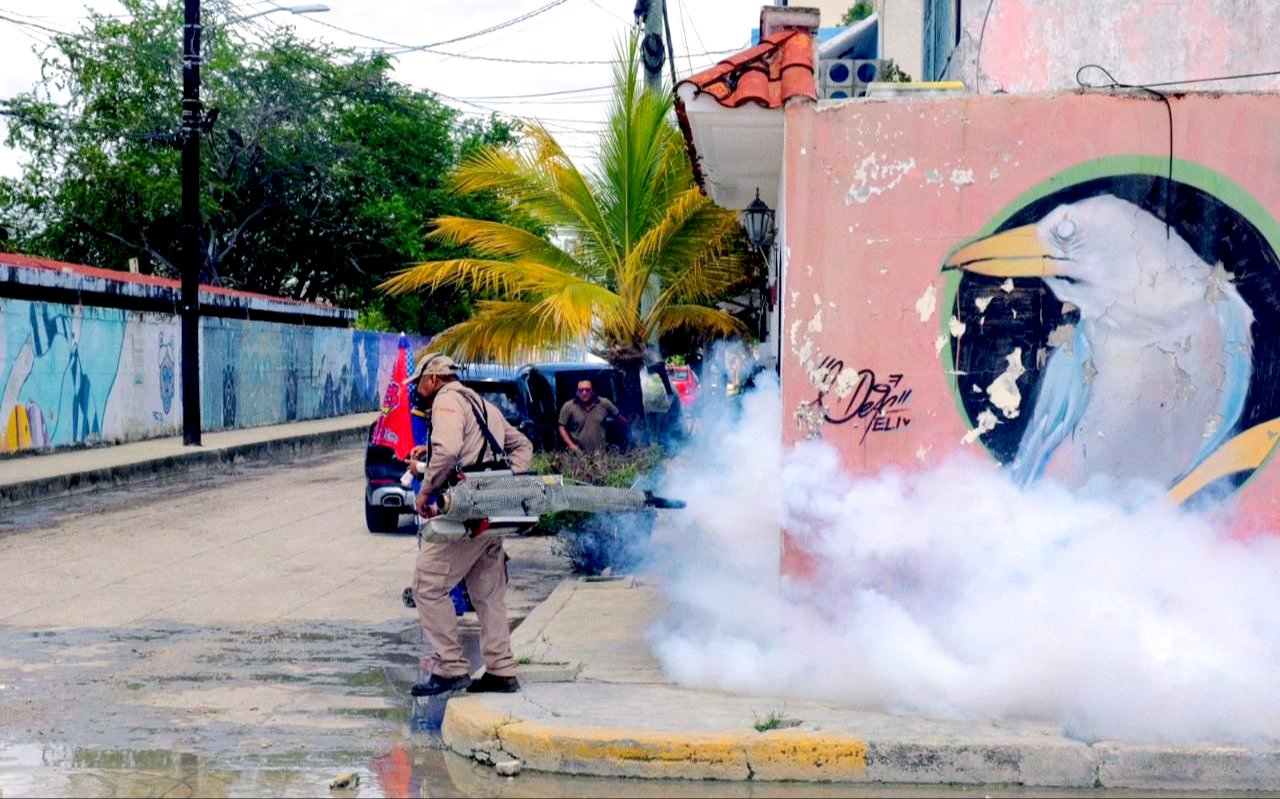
467 432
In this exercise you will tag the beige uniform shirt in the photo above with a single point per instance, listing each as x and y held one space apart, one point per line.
586 425
456 438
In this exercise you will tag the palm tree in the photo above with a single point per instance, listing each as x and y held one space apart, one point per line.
638 217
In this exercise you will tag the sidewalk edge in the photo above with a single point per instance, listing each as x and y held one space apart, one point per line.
195 461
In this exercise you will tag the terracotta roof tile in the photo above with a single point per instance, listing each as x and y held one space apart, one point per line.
778 69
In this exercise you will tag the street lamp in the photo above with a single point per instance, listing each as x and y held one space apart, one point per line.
314 8
192 254
758 220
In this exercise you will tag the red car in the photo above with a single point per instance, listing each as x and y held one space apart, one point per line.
685 383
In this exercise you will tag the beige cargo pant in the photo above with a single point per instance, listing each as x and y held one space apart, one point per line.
440 567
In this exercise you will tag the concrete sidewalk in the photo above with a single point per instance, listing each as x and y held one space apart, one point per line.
31 478
595 702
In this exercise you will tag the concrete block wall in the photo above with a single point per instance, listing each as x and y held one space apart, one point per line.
78 374
914 328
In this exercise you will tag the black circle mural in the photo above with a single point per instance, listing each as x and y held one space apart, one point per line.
1125 326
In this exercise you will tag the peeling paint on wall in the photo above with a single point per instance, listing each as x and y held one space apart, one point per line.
927 304
873 178
1003 391
987 422
961 178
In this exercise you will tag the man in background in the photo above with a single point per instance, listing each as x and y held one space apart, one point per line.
582 419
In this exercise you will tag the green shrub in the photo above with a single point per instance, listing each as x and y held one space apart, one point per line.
594 542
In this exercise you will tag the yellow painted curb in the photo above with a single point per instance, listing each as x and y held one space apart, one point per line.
469 722
658 754
807 757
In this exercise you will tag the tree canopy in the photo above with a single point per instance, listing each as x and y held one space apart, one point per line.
320 171
639 215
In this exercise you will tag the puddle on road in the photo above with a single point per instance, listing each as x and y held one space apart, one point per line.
188 712
413 769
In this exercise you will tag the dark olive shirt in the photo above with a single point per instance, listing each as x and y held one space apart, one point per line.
586 422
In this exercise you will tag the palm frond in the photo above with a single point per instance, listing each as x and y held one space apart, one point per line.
633 151
505 332
517 279
588 307
690 236
497 240
697 319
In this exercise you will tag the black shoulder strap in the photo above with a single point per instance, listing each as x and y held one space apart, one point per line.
491 443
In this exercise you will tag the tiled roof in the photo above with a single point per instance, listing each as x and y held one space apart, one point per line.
778 69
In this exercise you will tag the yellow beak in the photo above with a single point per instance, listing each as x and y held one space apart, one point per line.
1013 253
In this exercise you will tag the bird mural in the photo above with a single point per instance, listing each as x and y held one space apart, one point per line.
1152 382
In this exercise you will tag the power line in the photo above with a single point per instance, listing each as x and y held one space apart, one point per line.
541 94
558 62
500 25
598 5
404 49
587 101
409 47
693 23
684 33
37 26
1114 84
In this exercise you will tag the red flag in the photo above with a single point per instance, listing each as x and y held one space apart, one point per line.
394 428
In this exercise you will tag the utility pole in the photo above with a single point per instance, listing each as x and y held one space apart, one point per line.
192 253
653 51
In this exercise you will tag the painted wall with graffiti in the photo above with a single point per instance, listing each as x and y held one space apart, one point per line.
75 375
1041 282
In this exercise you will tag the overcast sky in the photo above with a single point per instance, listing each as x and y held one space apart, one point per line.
572 30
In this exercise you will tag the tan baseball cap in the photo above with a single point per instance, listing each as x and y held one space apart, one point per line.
433 363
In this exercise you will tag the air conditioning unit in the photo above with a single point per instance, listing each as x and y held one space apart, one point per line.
843 78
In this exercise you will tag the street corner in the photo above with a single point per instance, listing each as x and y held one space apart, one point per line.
790 755
469 721
477 722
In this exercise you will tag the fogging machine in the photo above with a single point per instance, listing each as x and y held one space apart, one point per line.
500 503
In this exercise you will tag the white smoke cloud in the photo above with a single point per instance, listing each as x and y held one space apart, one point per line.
953 593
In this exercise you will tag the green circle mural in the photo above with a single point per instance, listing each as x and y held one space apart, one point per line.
1115 324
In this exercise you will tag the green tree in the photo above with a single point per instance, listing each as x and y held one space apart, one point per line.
857 12
319 169
639 215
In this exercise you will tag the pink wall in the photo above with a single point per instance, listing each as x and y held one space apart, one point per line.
879 195
1037 45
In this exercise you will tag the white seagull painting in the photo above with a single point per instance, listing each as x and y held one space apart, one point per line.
1153 380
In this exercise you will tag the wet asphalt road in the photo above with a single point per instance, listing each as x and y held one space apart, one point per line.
240 635
244 636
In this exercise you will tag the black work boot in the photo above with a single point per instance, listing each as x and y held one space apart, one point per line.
492 683
440 685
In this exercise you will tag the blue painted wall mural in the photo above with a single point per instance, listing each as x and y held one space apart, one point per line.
72 375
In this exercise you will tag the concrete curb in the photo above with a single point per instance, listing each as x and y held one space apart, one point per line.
784 755
798 755
195 461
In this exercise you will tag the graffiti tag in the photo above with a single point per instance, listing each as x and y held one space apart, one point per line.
863 400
